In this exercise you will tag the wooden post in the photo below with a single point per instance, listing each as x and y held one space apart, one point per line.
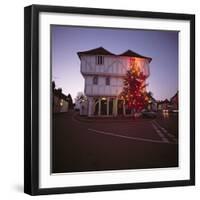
90 106
115 107
107 106
99 113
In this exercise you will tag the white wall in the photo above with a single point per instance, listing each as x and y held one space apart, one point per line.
111 65
115 87
11 101
114 67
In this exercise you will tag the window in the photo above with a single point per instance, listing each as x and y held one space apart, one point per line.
107 80
99 60
95 80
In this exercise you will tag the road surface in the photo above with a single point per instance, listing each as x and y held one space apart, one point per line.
82 144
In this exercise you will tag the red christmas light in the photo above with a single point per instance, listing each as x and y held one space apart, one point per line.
134 85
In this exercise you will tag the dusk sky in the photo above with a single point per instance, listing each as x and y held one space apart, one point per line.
161 46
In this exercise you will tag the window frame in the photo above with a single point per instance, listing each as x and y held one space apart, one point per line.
107 80
99 60
95 80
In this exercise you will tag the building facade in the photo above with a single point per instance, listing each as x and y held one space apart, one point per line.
174 102
103 74
60 101
163 105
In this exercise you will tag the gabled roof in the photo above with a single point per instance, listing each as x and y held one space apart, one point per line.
58 93
102 51
175 96
163 101
97 51
130 53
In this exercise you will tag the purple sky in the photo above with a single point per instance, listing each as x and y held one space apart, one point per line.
161 46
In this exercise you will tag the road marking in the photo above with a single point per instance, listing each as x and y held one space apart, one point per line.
164 139
127 137
160 134
166 132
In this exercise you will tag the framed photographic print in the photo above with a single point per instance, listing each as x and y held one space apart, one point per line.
109 99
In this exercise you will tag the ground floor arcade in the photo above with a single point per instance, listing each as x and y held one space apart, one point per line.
107 106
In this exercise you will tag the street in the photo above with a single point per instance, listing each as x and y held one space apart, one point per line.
83 144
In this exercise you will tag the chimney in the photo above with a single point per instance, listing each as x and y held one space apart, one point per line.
59 90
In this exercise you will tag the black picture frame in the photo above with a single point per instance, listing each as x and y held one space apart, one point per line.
31 98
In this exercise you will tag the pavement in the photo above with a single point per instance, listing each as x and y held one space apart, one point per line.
93 144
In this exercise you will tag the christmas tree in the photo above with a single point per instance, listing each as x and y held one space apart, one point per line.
134 92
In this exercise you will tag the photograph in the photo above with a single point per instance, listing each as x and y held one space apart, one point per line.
109 99
114 99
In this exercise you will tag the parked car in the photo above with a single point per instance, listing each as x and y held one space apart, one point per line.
174 111
149 114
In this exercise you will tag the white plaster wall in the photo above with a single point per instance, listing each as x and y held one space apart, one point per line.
116 85
114 67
